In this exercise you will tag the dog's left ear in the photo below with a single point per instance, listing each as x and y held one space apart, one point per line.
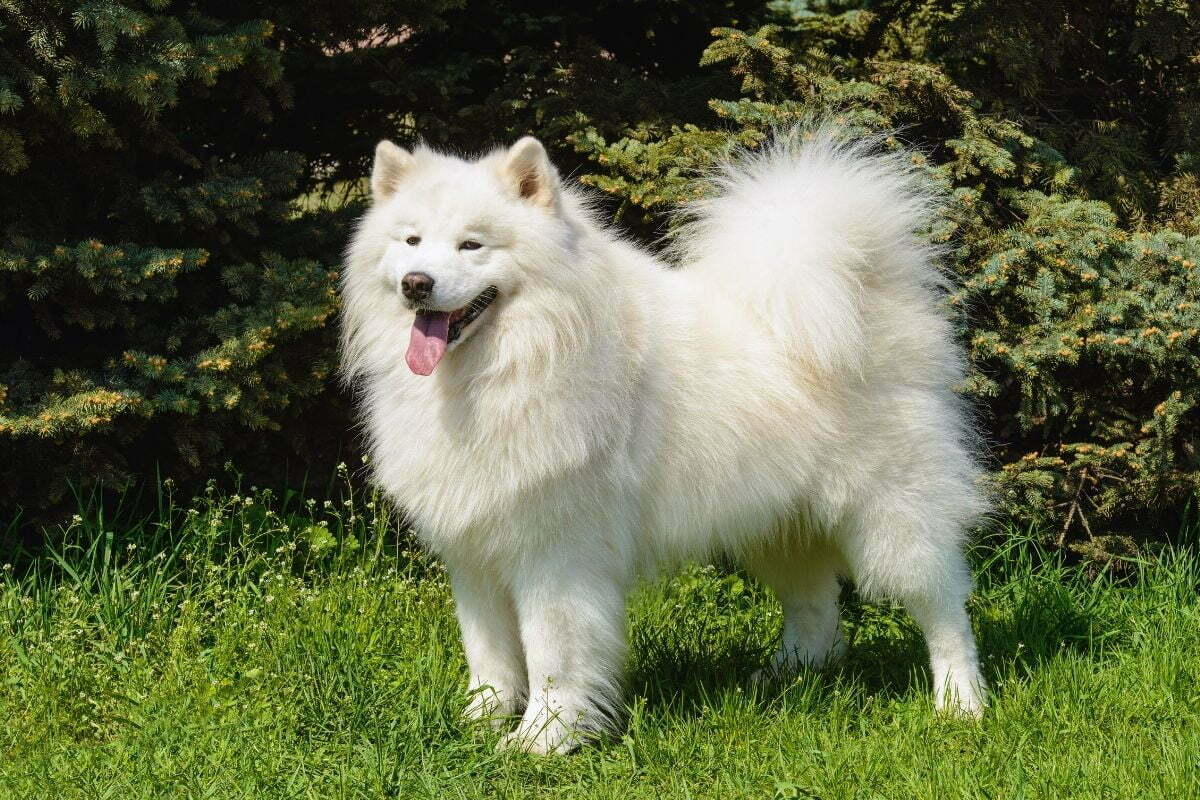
391 162
531 173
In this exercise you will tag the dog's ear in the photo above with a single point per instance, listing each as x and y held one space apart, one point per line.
391 162
531 173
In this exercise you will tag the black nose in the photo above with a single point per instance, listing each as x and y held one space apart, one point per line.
416 286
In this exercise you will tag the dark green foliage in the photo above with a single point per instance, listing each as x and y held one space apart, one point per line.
176 185
469 76
1111 85
162 296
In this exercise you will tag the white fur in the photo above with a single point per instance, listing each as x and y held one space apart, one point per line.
783 397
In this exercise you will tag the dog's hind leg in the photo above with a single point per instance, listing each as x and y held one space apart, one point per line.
805 578
905 553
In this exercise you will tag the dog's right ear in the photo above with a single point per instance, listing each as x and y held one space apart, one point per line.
391 162
531 173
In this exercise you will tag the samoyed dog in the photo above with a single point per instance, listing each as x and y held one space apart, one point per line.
560 412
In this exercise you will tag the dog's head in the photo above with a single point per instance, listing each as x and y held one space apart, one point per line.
450 240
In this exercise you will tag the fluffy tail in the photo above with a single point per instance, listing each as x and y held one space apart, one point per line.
806 230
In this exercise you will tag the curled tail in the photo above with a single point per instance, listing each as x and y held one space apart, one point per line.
807 230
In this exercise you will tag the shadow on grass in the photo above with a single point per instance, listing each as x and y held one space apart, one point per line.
684 663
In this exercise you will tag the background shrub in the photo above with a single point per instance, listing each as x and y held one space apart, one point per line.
176 186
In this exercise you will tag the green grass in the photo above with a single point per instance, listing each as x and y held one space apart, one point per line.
261 647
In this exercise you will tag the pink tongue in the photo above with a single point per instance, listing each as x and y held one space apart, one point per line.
428 343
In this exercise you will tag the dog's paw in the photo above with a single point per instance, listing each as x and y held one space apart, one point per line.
963 695
541 743
487 707
969 704
543 737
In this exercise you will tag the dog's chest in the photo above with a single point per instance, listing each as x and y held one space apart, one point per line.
458 463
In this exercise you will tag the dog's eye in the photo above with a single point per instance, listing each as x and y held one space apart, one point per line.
470 244
413 240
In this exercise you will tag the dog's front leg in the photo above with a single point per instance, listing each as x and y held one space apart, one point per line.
491 641
571 607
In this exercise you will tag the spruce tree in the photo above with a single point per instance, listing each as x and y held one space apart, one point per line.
162 296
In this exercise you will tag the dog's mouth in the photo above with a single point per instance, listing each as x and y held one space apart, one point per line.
434 331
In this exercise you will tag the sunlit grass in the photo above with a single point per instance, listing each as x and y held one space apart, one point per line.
248 645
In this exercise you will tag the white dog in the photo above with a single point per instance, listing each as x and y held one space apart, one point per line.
559 412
